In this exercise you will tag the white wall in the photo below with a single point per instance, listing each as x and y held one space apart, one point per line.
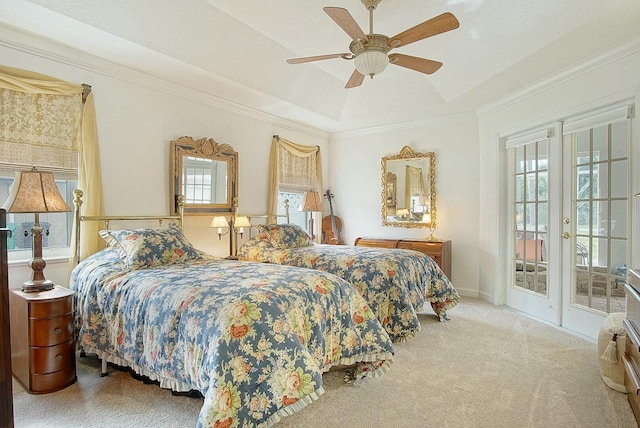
137 118
355 171
604 80
139 115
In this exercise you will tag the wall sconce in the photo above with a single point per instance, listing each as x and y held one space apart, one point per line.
35 192
311 203
221 223
224 226
240 223
235 224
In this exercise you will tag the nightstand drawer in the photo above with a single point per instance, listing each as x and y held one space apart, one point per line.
52 308
43 357
46 332
52 358
50 382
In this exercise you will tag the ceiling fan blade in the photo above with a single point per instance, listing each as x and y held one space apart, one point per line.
319 58
422 65
355 80
439 24
343 18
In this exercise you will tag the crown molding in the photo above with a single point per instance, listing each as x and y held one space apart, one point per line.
399 126
85 61
624 49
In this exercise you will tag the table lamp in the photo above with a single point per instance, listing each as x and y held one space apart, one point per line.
311 202
35 192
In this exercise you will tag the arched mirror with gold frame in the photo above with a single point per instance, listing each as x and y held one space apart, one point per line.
205 173
409 189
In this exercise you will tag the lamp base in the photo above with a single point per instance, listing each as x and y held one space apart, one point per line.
432 238
37 286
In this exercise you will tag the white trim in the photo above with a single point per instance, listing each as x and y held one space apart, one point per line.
122 72
628 47
597 118
521 140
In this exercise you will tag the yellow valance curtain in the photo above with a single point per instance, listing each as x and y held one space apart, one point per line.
294 167
45 123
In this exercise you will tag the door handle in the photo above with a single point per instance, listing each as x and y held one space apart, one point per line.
566 235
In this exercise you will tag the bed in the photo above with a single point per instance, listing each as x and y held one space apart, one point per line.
395 283
253 338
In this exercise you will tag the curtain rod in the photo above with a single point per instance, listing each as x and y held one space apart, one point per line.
85 92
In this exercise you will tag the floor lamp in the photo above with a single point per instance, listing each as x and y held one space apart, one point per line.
35 192
311 203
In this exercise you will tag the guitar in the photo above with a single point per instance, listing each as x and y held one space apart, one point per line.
331 225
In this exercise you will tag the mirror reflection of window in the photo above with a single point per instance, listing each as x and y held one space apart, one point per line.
204 181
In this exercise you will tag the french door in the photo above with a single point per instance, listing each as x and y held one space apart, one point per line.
570 205
595 219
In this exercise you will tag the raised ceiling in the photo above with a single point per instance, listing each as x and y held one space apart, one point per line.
237 50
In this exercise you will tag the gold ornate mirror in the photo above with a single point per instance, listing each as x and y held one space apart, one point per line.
409 189
205 173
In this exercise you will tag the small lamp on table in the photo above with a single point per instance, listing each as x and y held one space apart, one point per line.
311 203
35 192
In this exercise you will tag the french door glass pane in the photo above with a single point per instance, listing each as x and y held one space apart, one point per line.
601 189
530 206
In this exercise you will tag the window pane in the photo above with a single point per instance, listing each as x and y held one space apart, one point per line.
619 140
619 176
619 219
601 143
583 147
601 218
600 181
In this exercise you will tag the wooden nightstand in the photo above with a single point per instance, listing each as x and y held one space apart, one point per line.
43 354
439 251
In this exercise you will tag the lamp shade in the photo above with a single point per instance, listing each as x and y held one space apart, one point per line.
242 221
426 218
219 221
311 202
35 192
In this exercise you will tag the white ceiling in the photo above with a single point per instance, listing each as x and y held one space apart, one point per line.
236 50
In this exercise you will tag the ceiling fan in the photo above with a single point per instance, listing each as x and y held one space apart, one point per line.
370 50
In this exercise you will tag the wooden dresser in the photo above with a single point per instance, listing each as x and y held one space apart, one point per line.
42 339
439 251
632 348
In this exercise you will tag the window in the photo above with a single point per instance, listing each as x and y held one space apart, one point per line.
530 204
296 170
197 180
57 227
295 200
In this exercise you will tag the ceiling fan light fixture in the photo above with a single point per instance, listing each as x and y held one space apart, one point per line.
371 62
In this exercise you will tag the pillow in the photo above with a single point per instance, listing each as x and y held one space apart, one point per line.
256 249
286 235
147 248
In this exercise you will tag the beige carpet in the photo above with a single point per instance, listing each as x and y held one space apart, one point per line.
488 367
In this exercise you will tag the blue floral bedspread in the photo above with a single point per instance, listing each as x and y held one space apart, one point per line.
253 338
396 283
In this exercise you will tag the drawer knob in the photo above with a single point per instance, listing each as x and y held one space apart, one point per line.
57 331
58 357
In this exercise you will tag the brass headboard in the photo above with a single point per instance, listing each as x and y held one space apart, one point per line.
78 219
269 217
